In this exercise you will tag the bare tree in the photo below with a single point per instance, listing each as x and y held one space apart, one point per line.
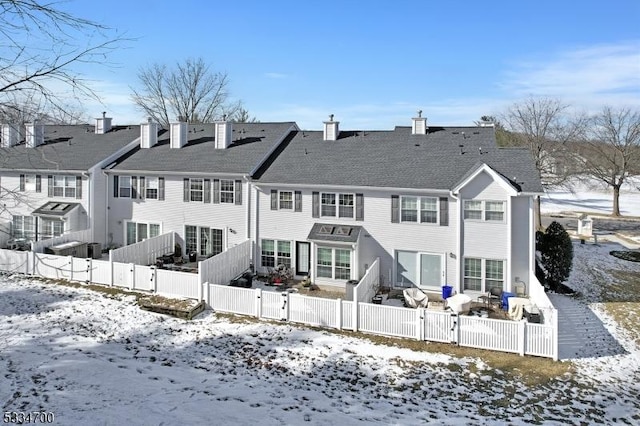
190 90
243 116
543 126
612 152
40 47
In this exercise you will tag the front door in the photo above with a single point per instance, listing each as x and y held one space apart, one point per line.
303 258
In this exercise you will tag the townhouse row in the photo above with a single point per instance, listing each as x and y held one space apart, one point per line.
436 205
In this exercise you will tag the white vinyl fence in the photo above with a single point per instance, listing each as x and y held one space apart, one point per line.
518 337
15 261
223 267
145 252
369 284
508 336
85 236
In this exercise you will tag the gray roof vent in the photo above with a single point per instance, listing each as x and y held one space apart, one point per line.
10 135
148 134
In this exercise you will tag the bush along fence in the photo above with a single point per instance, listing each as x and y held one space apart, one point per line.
439 326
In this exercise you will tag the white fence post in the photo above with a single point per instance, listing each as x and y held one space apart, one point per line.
200 283
132 276
153 278
89 270
554 330
455 329
356 307
258 303
32 255
70 260
285 306
522 334
110 268
420 324
339 314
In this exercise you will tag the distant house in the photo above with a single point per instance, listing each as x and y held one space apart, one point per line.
437 205
192 179
51 178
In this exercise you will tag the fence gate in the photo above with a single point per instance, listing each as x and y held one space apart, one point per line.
123 274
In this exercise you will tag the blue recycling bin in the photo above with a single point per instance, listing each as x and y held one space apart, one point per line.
446 291
505 299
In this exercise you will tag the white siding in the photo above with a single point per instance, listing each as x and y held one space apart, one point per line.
30 200
521 234
482 238
173 213
380 236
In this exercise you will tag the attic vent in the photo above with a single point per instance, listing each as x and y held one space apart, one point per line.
419 124
455 133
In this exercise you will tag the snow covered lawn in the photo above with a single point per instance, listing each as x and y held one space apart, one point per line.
93 358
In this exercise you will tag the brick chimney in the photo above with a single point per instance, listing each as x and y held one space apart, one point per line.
224 133
419 124
10 135
34 134
103 124
178 133
331 130
148 134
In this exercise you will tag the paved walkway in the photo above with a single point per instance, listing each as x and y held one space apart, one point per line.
581 334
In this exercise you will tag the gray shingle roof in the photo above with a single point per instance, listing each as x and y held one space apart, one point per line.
251 142
73 148
398 159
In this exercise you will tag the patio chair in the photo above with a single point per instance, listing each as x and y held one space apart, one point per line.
415 298
494 296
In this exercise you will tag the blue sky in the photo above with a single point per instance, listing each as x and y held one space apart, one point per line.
374 63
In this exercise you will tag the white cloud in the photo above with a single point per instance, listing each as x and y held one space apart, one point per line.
275 75
587 77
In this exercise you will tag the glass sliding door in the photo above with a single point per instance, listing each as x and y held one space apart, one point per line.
430 270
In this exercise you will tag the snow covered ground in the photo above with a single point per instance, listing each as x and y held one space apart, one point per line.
593 198
91 358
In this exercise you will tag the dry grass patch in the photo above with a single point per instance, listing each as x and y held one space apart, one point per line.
627 315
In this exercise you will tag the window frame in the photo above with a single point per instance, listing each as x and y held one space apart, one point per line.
22 231
227 196
124 191
485 280
342 204
214 246
68 186
138 226
418 209
30 182
47 228
483 213
148 180
282 206
281 253
339 270
194 190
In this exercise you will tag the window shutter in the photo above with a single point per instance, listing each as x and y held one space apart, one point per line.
298 201
38 183
274 199
207 190
444 211
116 186
143 190
134 187
238 188
161 188
185 196
78 187
359 206
216 191
22 183
315 204
395 209
50 186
